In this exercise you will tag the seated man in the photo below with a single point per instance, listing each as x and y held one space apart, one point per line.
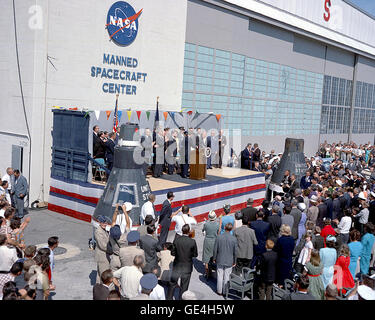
300 293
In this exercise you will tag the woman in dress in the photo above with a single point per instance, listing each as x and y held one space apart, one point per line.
342 277
327 230
367 244
210 229
305 253
328 256
355 248
226 218
302 222
284 248
314 269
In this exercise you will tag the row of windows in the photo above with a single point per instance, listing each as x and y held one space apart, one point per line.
364 121
365 95
337 91
255 96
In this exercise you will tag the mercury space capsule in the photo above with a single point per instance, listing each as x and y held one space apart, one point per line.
127 181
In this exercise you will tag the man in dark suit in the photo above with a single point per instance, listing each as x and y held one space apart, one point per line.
159 155
261 229
301 290
95 137
165 218
294 184
209 142
101 290
245 157
150 246
297 215
20 190
110 150
249 212
184 250
275 223
255 155
184 154
171 152
267 269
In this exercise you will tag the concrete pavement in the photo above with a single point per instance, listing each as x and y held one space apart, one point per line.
75 268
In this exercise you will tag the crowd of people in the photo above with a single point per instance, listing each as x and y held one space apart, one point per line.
166 151
313 241
25 271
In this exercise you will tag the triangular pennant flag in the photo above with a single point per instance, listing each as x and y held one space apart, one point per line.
97 114
172 115
148 115
165 115
139 115
218 117
129 114
108 114
119 115
73 109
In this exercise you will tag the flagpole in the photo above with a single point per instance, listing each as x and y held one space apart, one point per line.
115 121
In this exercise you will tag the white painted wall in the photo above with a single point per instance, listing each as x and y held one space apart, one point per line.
73 34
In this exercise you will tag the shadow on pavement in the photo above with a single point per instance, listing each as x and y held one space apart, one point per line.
92 277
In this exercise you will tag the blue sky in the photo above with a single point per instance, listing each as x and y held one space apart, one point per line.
367 5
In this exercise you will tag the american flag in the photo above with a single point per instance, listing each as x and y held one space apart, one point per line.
115 119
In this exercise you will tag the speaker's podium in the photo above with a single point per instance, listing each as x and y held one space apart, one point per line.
198 164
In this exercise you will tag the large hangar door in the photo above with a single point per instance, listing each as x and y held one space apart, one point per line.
17 157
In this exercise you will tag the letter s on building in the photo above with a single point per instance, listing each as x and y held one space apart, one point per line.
327 14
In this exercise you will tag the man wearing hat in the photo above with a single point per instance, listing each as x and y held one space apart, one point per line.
127 254
102 255
249 212
148 282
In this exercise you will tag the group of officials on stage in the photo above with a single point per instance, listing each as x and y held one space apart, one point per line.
166 150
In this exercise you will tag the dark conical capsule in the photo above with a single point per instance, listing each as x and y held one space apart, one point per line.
293 159
127 181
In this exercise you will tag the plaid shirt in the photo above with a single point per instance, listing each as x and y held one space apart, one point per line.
4 278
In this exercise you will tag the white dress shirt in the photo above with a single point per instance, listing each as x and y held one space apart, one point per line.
181 220
7 195
147 209
121 221
7 178
8 256
130 277
345 224
157 293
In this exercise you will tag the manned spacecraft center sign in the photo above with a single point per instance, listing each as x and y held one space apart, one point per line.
120 74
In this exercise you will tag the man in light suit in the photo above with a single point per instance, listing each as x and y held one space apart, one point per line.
20 189
222 143
102 256
151 247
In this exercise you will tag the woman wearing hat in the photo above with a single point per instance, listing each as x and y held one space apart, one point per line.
226 218
328 257
211 230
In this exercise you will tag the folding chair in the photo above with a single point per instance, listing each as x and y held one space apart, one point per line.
99 170
278 293
242 284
